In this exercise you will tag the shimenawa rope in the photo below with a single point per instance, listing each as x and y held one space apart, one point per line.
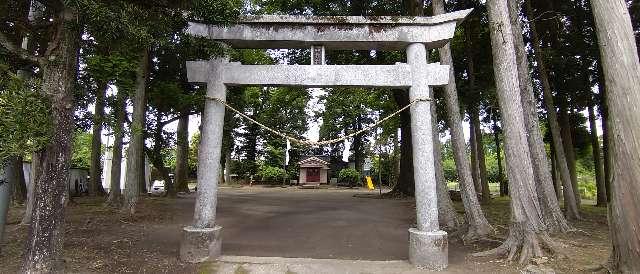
317 143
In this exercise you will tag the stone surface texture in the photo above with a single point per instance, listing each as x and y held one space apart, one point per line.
278 265
210 149
200 244
428 250
316 76
424 171
342 32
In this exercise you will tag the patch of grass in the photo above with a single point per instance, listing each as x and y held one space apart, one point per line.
493 187
241 270
208 267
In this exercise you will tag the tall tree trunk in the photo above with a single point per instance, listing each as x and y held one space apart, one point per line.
605 137
405 185
43 252
115 193
358 148
142 166
597 163
619 54
182 154
569 150
136 145
19 195
554 175
473 147
504 185
527 229
28 213
7 175
447 216
570 197
482 166
551 213
252 147
94 186
396 159
478 226
157 159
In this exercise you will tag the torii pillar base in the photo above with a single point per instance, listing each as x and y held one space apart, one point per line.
428 250
200 244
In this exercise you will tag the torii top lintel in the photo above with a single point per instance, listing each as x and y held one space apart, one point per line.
334 32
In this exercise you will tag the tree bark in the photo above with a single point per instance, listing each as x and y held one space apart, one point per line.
358 147
504 185
43 252
597 163
447 216
569 151
7 174
26 218
157 159
478 226
136 145
405 185
19 195
94 186
604 110
619 55
115 193
482 166
143 161
570 197
527 229
182 154
605 140
473 147
554 175
551 213
252 146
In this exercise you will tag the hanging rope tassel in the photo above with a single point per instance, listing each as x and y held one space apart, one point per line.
317 143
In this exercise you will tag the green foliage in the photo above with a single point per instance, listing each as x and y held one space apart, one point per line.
274 175
384 163
450 170
193 153
281 108
586 180
216 10
25 120
81 149
349 176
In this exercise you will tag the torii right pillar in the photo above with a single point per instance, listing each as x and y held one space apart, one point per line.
428 246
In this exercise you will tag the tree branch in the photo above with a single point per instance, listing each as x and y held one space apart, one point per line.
176 118
18 51
54 4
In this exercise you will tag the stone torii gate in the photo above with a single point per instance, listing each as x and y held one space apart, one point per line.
428 246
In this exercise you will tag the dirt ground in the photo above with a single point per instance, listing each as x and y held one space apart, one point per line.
276 222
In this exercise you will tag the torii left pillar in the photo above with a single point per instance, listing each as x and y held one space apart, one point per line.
202 240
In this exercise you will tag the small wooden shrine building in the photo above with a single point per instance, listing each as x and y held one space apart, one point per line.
314 170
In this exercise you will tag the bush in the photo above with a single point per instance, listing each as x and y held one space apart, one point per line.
450 170
349 176
271 174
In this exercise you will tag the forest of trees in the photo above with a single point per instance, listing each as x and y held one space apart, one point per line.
548 89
